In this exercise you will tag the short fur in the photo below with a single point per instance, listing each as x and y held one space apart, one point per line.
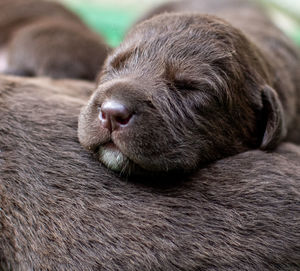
200 88
42 38
62 210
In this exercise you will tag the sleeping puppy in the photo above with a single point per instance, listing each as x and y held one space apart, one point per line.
41 38
186 89
62 210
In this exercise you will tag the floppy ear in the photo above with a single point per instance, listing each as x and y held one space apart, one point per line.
273 119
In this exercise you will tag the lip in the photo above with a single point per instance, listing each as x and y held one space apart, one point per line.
110 145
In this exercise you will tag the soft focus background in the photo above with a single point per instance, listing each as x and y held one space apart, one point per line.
112 18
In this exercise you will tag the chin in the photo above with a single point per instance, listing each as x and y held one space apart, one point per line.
113 158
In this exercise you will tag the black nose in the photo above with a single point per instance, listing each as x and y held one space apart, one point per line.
114 115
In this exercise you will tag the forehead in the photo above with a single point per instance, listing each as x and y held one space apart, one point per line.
182 43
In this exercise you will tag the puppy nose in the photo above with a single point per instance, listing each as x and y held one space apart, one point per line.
114 115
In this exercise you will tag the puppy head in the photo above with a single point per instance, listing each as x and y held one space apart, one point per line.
180 91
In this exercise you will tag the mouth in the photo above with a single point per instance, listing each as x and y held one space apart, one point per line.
113 158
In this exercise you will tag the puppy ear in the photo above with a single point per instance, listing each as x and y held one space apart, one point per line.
273 119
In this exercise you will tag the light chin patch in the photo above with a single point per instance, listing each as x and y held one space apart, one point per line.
112 158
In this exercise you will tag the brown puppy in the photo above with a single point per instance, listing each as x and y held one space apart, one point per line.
62 210
251 19
187 89
41 38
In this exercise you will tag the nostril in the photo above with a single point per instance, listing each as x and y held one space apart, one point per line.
123 120
102 115
114 114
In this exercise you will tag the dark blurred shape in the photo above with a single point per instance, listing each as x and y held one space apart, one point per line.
199 6
43 38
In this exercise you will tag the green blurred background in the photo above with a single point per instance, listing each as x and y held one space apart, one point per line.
112 18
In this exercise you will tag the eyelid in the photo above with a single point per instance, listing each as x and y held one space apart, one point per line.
184 84
150 104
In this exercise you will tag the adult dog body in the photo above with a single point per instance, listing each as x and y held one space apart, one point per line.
62 210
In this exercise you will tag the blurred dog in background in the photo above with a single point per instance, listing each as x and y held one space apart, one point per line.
43 38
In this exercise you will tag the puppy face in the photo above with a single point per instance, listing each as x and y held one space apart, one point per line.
182 90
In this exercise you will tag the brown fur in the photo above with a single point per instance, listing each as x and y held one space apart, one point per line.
42 38
62 210
200 89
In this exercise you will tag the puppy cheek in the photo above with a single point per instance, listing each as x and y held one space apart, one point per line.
155 151
143 143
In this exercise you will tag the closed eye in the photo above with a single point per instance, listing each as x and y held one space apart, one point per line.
186 85
198 94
